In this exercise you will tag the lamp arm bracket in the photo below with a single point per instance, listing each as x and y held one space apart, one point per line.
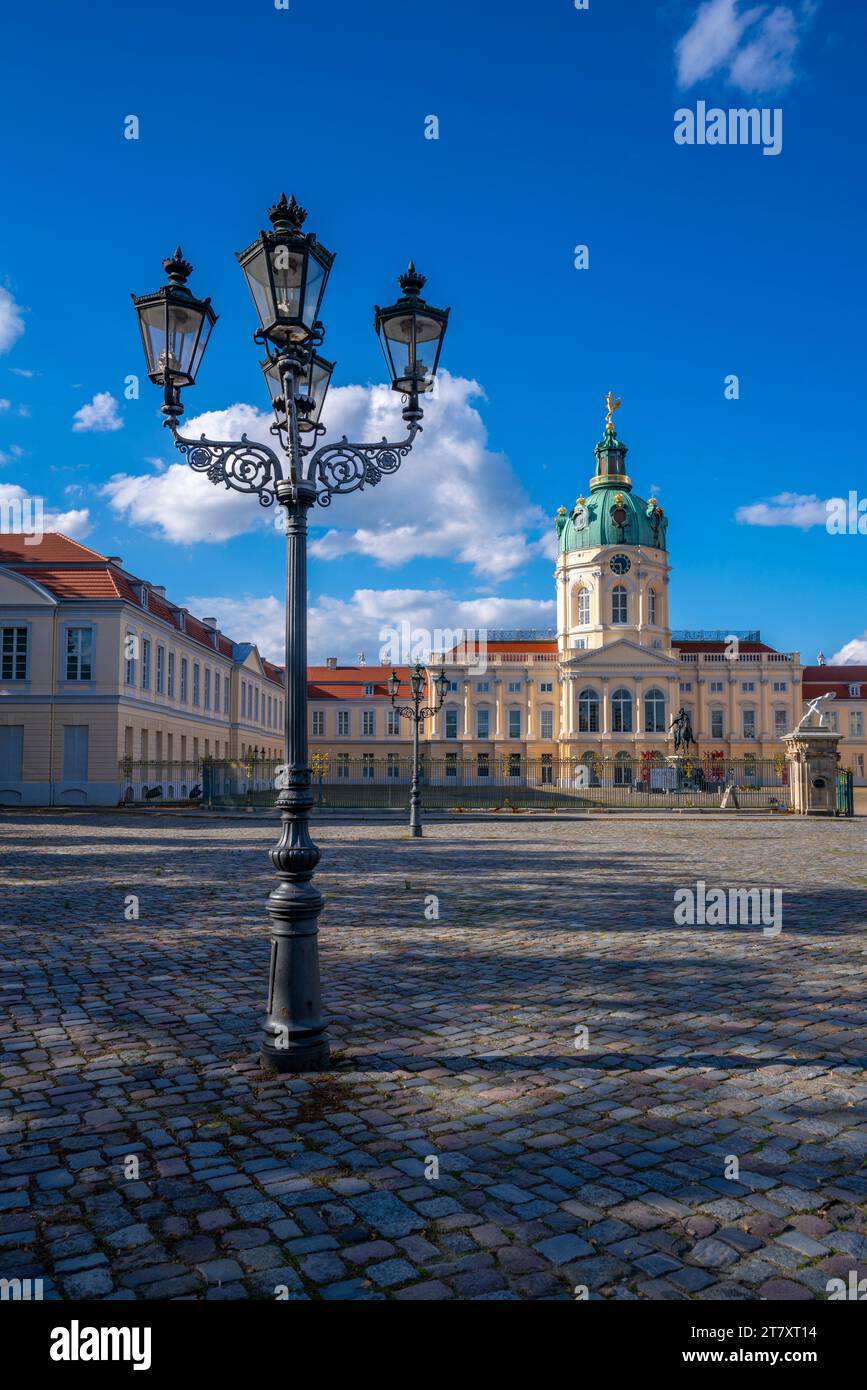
345 467
243 465
406 711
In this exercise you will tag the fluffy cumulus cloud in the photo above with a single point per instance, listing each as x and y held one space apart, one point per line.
23 513
99 415
367 620
853 653
11 321
788 509
753 46
182 506
452 497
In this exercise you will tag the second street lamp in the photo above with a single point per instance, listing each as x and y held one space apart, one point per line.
287 269
418 713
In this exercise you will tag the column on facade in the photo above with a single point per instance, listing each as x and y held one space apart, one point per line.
765 718
468 713
532 709
701 729
673 698
606 710
638 721
564 688
498 707
732 711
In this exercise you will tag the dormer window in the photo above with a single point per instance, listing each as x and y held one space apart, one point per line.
855 692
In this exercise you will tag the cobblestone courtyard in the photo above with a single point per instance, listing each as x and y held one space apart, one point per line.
454 1039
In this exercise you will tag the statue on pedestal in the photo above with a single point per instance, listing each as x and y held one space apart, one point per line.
683 735
815 707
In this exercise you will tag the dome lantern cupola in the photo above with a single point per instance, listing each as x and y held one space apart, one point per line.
612 514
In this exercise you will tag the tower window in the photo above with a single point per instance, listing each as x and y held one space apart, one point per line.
619 604
651 607
583 616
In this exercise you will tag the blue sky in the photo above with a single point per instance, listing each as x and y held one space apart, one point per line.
555 130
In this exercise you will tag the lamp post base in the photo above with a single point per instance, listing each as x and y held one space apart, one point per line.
415 832
312 1056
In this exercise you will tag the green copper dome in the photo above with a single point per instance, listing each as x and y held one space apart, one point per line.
612 514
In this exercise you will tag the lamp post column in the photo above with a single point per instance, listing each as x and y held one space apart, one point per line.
294 1031
414 795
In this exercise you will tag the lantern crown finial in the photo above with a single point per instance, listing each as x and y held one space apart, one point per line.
177 269
411 282
287 215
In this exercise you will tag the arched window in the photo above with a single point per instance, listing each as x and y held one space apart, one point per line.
587 770
651 606
623 770
619 604
654 712
582 613
621 711
588 712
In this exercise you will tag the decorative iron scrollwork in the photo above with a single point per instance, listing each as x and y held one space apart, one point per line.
244 466
344 467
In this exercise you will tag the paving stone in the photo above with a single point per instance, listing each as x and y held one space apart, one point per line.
391 1272
561 1249
623 1158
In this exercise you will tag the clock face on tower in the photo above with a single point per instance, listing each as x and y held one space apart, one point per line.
620 564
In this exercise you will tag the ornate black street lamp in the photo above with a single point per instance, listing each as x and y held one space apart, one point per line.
287 269
418 713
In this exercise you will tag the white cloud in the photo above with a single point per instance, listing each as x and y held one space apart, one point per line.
23 371
853 653
754 48
4 404
788 509
11 321
100 415
451 498
346 627
766 62
21 512
183 506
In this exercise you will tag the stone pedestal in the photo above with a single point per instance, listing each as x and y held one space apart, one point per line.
813 761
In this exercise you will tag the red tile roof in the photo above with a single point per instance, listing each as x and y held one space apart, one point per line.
518 644
51 549
819 680
70 570
348 682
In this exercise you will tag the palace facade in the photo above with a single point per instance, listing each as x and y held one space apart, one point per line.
105 683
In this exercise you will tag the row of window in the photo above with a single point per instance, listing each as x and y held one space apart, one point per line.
210 689
259 706
77 654
619 606
748 687
318 723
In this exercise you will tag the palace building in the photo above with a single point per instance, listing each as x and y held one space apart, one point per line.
106 685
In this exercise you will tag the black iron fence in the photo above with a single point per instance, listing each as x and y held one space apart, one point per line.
491 781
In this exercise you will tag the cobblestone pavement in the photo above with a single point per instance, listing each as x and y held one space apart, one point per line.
559 1166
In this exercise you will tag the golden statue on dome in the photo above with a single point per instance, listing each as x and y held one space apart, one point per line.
613 403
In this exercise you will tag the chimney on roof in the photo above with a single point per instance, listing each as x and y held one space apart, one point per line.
159 589
210 622
115 560
331 662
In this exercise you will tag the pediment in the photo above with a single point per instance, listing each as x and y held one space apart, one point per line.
621 654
